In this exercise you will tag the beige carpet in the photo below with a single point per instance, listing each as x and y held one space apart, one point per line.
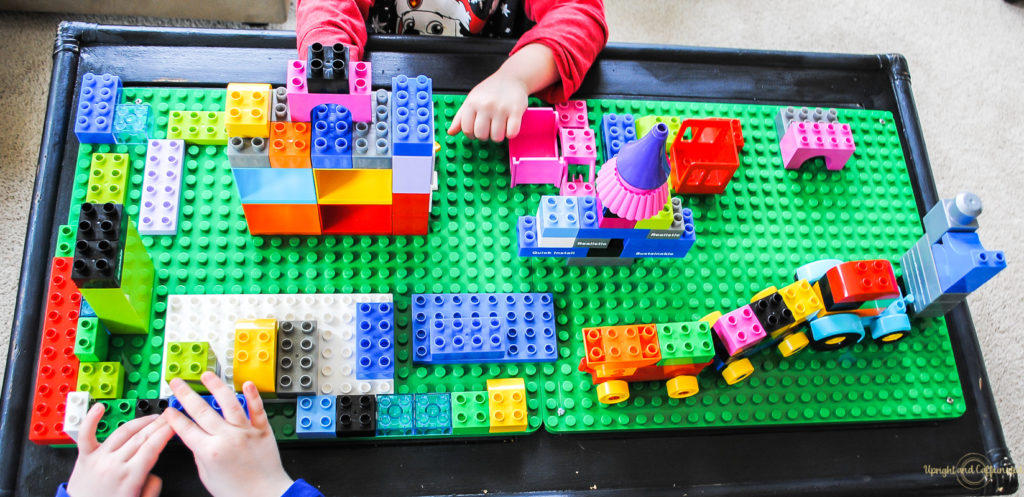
966 59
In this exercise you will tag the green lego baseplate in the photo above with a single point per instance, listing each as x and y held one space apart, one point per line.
767 223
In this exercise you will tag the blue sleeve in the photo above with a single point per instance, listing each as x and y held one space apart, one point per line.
298 489
62 490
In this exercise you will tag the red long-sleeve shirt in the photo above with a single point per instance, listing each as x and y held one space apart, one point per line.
575 30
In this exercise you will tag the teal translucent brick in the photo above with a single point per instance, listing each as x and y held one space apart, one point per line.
395 415
433 414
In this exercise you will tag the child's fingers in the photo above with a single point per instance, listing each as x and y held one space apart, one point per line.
196 407
131 446
456 125
125 432
151 448
468 118
515 121
482 128
152 486
87 434
191 434
498 125
257 414
225 395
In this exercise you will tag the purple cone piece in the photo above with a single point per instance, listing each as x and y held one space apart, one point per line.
642 163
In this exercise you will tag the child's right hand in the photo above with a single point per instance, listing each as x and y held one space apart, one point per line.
235 455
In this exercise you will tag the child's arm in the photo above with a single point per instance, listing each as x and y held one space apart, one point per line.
550 60
331 21
119 466
235 454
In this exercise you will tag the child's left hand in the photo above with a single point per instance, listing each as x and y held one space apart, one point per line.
493 110
121 465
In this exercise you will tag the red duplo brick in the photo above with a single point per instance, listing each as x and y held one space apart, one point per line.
410 213
861 281
356 219
705 163
57 371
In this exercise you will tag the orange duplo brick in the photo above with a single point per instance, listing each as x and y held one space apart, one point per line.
619 350
353 186
282 219
289 145
410 214
355 219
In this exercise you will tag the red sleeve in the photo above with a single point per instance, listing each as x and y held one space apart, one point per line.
331 21
575 30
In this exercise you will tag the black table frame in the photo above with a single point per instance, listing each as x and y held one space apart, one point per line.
848 459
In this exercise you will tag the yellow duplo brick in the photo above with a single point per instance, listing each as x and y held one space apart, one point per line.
255 354
353 186
248 110
507 405
803 300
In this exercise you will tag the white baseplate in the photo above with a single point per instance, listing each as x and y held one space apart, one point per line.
211 318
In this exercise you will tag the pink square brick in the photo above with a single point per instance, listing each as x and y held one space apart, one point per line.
739 329
359 78
578 145
803 141
572 114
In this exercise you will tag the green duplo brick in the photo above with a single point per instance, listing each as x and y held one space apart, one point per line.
65 241
117 413
103 380
470 413
108 175
660 221
188 361
199 127
282 418
91 340
126 310
685 343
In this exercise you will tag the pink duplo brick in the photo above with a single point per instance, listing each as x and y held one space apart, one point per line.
301 102
359 78
577 188
803 141
578 145
739 329
533 154
572 114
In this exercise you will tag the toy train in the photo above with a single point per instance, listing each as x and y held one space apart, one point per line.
831 305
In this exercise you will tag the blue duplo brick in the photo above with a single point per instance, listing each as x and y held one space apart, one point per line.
375 341
616 131
558 216
97 101
315 416
653 247
266 185
526 320
963 263
412 116
331 137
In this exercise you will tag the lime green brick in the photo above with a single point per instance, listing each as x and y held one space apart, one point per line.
198 127
91 340
116 413
470 415
645 123
126 310
103 380
685 343
188 361
660 221
65 241
108 174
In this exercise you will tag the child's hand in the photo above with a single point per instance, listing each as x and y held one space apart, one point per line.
119 466
493 109
235 455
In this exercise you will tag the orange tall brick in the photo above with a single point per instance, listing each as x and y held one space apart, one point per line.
620 350
289 145
282 219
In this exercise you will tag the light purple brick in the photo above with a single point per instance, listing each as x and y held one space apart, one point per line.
161 187
411 174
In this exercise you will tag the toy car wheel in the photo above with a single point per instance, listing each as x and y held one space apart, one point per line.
612 391
890 328
836 331
793 343
737 371
682 387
